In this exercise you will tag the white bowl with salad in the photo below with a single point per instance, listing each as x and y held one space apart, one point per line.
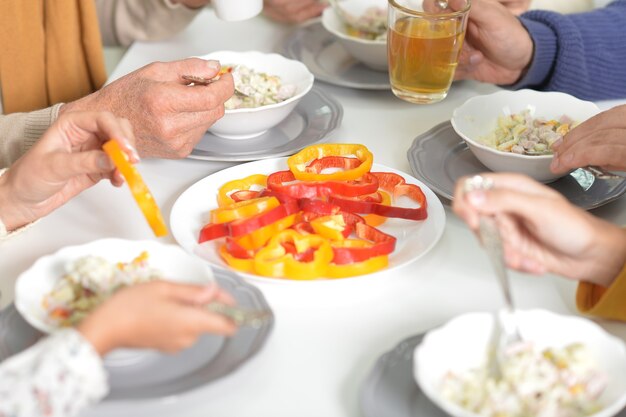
513 131
364 47
267 89
59 290
565 366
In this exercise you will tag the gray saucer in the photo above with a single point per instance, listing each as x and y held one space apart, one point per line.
440 157
155 376
312 120
390 389
324 56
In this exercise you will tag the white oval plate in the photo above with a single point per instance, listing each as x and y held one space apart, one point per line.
33 285
191 211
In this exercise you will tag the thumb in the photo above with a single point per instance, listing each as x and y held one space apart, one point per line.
173 71
68 165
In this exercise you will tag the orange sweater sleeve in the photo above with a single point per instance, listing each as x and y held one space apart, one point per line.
608 303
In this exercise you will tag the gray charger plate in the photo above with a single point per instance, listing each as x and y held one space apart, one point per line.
315 116
156 377
440 157
390 389
328 60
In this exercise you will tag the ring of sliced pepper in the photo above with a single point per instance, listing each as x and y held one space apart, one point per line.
308 164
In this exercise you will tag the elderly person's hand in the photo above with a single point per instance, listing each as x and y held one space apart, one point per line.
497 47
65 161
599 141
159 315
543 232
169 117
293 11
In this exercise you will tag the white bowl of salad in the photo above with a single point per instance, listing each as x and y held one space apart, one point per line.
268 87
565 366
368 49
59 290
513 131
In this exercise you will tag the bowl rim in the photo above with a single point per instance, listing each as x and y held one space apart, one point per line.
394 3
470 141
345 36
309 78
24 308
456 410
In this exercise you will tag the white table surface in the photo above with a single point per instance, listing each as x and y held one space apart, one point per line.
329 334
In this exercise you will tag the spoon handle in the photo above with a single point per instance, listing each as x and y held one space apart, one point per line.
492 241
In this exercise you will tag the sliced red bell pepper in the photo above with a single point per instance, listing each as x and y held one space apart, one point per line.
213 231
382 244
261 236
246 226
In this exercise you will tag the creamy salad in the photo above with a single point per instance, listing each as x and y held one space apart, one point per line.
550 383
256 89
89 281
522 134
372 24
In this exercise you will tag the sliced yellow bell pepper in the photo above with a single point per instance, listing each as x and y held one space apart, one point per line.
260 237
138 188
332 227
359 268
242 265
243 209
298 163
274 261
223 195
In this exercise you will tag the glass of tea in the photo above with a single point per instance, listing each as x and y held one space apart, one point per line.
424 43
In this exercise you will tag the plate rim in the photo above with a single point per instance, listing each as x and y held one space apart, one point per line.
288 42
335 121
417 147
265 280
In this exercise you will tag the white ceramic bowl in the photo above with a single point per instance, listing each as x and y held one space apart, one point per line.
372 53
461 344
35 283
478 117
248 123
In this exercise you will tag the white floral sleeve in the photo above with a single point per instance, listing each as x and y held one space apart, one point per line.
57 377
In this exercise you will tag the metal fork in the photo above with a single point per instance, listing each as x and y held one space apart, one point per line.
241 316
206 81
505 329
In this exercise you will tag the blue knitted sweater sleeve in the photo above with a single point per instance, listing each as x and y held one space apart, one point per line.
581 54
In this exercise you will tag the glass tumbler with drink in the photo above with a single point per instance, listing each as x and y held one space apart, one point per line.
424 44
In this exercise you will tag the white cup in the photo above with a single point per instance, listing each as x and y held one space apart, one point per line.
235 10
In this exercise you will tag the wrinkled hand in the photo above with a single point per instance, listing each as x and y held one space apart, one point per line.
497 47
599 141
64 162
516 7
160 315
543 232
293 11
169 117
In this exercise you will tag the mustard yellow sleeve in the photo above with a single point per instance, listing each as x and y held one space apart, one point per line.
608 303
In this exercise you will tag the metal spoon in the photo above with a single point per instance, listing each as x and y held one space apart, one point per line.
240 316
353 21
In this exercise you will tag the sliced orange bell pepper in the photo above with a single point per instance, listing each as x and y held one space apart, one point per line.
243 184
243 209
358 268
302 168
375 220
259 237
332 227
275 261
138 187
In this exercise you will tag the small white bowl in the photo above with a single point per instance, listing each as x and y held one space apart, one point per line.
461 344
39 280
478 117
372 53
249 123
